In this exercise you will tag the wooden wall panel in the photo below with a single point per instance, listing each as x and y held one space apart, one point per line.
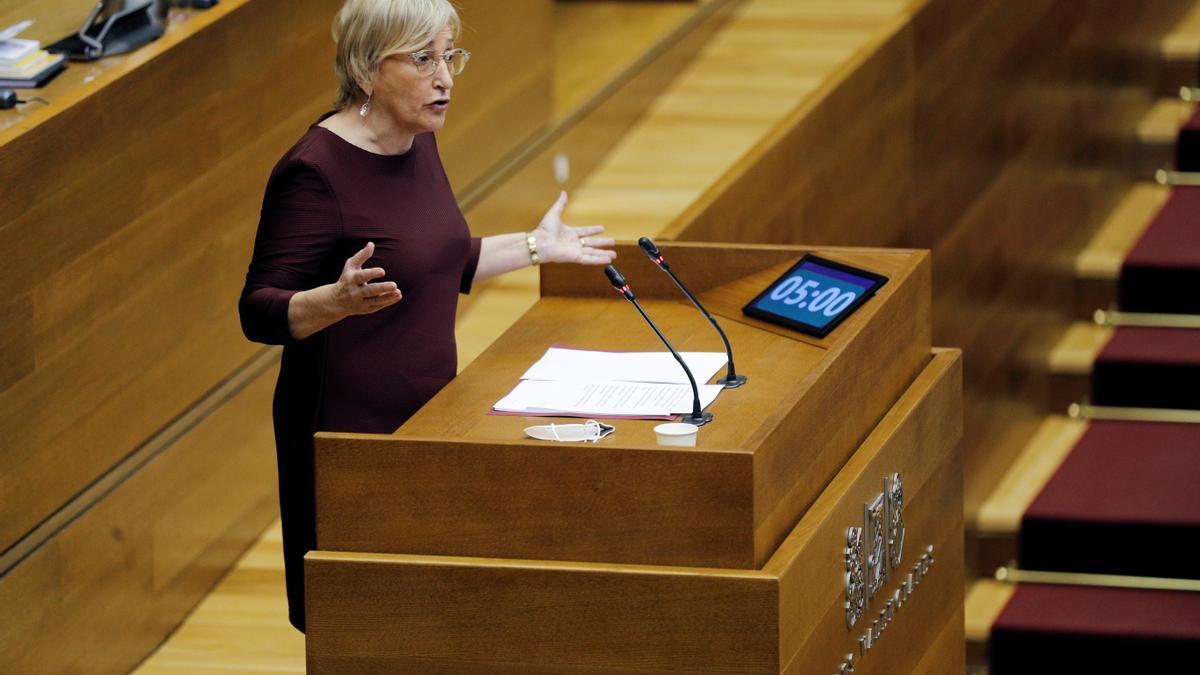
837 170
103 593
134 246
132 201
504 97
515 197
16 341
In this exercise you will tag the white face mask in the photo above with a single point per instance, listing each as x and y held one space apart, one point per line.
590 431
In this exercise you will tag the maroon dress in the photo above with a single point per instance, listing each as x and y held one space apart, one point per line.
324 201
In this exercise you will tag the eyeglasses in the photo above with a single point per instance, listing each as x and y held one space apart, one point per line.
427 62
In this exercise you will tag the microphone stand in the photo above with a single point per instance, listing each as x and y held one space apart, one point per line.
731 380
697 416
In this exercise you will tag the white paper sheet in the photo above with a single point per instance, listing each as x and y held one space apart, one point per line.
580 365
604 398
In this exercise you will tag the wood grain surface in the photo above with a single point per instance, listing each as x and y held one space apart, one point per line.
131 202
941 135
919 440
397 611
116 579
517 192
134 318
125 268
982 101
726 503
505 96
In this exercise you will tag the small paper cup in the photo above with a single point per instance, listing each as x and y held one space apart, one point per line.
677 433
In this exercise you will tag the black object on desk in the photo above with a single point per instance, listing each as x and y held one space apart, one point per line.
120 33
815 295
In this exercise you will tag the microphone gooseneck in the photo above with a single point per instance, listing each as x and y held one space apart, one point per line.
698 416
731 380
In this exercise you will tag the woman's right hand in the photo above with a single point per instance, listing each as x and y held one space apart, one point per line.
353 293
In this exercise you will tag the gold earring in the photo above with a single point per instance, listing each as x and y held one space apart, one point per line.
366 107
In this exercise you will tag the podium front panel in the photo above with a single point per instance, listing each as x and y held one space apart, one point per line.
389 612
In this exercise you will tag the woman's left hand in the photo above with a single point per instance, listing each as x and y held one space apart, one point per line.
561 243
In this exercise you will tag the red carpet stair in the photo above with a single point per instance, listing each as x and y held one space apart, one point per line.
1121 502
1079 629
1160 274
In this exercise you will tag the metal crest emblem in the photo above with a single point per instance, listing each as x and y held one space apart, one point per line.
875 517
856 587
894 490
874 549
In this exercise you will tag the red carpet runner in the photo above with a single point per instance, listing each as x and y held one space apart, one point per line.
1124 495
1149 368
1162 272
1073 629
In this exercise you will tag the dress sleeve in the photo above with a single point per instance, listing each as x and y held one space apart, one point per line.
298 230
472 263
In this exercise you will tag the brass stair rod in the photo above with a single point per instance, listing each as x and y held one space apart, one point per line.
1014 575
1112 317
1087 411
1177 178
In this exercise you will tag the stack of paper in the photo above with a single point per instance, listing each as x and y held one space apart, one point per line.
579 383
23 63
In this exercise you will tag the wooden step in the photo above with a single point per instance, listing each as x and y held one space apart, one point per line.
1144 367
1179 52
1124 488
1156 134
1149 367
1067 364
1163 267
986 598
998 519
1055 628
1128 624
1098 265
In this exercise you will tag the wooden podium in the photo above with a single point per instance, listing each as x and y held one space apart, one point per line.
458 544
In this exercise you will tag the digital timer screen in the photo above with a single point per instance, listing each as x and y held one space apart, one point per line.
815 295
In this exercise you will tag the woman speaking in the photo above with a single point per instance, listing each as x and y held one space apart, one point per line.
362 250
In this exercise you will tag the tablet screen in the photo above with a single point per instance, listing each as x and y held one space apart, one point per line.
815 295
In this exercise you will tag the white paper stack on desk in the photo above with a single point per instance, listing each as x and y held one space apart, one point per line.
580 383
24 64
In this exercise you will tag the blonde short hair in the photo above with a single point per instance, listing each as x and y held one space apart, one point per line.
367 31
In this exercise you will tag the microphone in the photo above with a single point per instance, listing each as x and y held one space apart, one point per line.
731 380
697 416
